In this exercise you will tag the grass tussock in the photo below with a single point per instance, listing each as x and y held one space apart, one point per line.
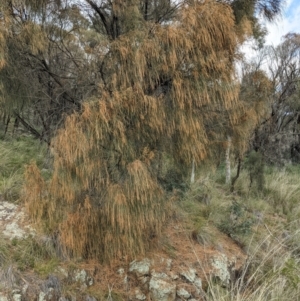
283 192
15 154
270 273
25 255
34 253
265 224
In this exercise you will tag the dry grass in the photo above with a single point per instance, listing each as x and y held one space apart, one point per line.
284 192
272 270
103 199
270 274
9 277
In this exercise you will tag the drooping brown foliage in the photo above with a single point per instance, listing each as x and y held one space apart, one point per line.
167 88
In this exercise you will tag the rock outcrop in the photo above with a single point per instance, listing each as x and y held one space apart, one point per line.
158 278
13 221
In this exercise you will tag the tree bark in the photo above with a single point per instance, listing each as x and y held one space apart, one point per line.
237 175
227 160
193 172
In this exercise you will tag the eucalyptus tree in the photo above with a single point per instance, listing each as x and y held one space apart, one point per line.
56 50
277 137
248 15
46 68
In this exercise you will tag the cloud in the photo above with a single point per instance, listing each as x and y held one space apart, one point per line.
289 22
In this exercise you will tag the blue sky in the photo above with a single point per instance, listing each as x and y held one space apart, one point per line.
288 22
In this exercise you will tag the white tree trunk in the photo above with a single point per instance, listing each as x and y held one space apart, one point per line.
227 160
193 172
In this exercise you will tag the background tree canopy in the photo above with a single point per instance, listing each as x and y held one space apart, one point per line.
147 82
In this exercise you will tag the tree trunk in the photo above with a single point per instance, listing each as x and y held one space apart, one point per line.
237 175
227 160
193 172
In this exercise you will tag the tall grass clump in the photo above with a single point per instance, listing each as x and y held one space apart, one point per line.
283 192
266 222
270 273
15 154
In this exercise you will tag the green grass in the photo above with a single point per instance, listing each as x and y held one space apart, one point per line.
27 254
46 267
265 223
33 253
15 154
273 276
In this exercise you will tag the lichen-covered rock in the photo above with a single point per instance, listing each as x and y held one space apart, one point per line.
140 268
161 288
50 289
42 296
16 295
189 274
82 277
139 295
183 293
198 284
221 269
12 221
159 275
3 297
167 262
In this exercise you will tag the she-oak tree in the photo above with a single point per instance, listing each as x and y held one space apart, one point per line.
167 90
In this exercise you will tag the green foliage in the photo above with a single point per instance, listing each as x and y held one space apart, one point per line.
197 203
276 137
237 222
271 242
273 247
246 12
138 86
174 179
255 166
291 272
